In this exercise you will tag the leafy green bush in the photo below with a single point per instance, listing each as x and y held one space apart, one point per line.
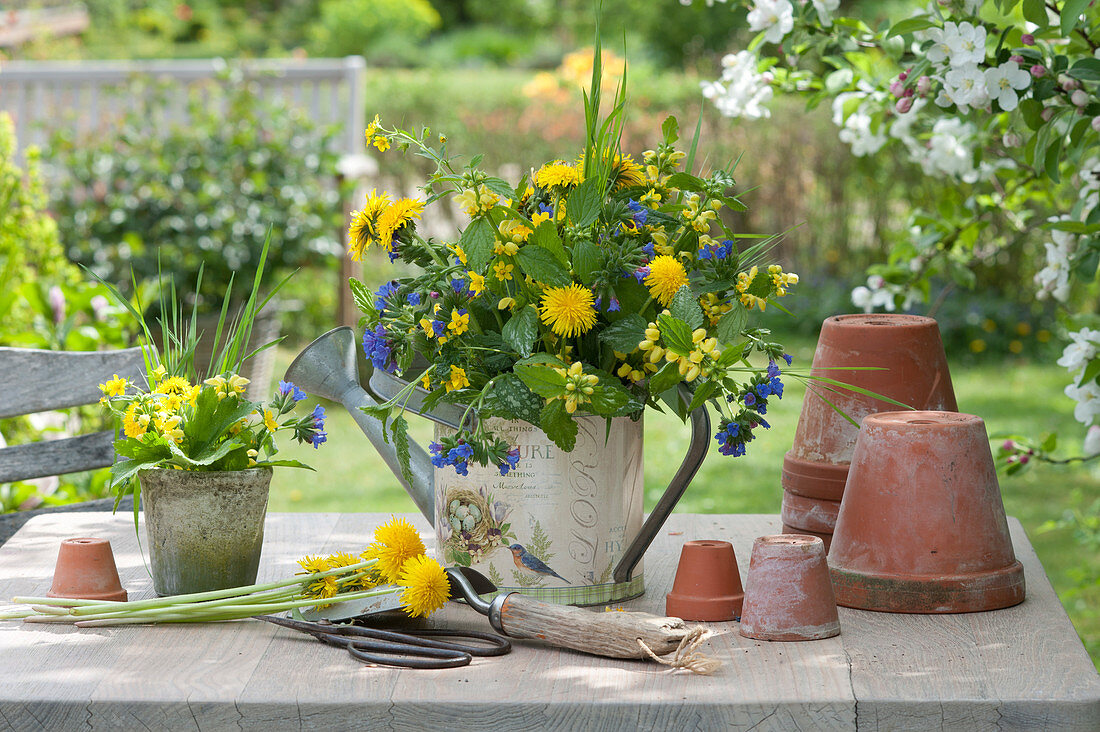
201 193
347 27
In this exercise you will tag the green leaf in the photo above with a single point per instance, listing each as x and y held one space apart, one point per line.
546 236
587 261
499 187
364 298
541 266
558 425
1053 158
1086 69
212 455
510 398
1032 111
545 381
731 324
1091 373
521 330
477 241
702 392
670 129
911 25
283 464
400 429
675 333
686 182
583 205
379 411
608 399
1071 13
625 334
1036 12
685 306
665 379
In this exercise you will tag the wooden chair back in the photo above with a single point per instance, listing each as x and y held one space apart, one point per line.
39 381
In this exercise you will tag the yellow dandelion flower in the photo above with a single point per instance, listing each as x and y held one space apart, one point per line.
426 586
623 171
396 217
313 565
666 277
458 379
395 543
569 311
426 382
115 386
503 271
477 283
134 424
557 174
364 229
176 385
360 579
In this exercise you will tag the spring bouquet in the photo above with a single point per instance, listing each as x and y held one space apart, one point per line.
599 285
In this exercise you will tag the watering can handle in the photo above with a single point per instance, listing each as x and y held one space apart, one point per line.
697 450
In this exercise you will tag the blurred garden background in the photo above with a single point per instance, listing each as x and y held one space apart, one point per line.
503 80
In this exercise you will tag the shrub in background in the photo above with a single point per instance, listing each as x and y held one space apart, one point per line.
357 27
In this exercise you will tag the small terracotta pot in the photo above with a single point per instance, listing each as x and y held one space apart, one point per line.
707 585
909 352
788 595
86 570
826 539
922 528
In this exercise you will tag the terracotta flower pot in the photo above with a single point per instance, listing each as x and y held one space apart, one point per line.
788 595
707 584
914 371
826 539
86 570
922 528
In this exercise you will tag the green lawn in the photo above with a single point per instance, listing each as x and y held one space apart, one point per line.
1010 396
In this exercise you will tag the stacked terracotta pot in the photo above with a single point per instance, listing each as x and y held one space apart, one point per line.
896 356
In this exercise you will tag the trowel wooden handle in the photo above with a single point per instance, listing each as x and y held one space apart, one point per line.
614 634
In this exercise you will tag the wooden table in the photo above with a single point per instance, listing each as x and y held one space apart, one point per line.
1022 667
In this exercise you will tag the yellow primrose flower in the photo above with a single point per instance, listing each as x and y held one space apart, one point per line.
505 249
381 142
115 386
569 311
269 420
666 276
458 379
458 251
477 283
159 373
506 303
539 217
372 128
460 322
557 174
427 326
236 384
503 271
514 230
650 198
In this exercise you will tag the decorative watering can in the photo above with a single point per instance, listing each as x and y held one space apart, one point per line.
563 526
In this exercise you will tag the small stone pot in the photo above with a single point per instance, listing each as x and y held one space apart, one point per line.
922 528
707 585
913 370
788 595
86 570
205 529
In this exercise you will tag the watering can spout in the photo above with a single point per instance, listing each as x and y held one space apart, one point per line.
328 368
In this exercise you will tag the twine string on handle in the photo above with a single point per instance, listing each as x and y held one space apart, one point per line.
687 655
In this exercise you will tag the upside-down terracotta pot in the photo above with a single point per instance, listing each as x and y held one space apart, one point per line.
826 539
912 369
86 570
788 595
707 585
922 528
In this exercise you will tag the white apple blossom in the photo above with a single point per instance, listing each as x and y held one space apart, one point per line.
948 151
1083 349
857 125
742 90
881 294
774 17
957 44
1087 397
965 87
1053 279
1092 441
825 9
1003 81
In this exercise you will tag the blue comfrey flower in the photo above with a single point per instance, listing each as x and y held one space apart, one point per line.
317 434
394 254
704 253
648 249
287 388
439 457
439 327
377 348
724 249
733 435
597 302
413 298
641 273
750 398
788 359
461 452
773 369
459 286
641 213
384 292
614 306
546 209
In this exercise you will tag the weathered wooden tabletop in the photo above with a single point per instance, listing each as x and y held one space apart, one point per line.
1022 667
